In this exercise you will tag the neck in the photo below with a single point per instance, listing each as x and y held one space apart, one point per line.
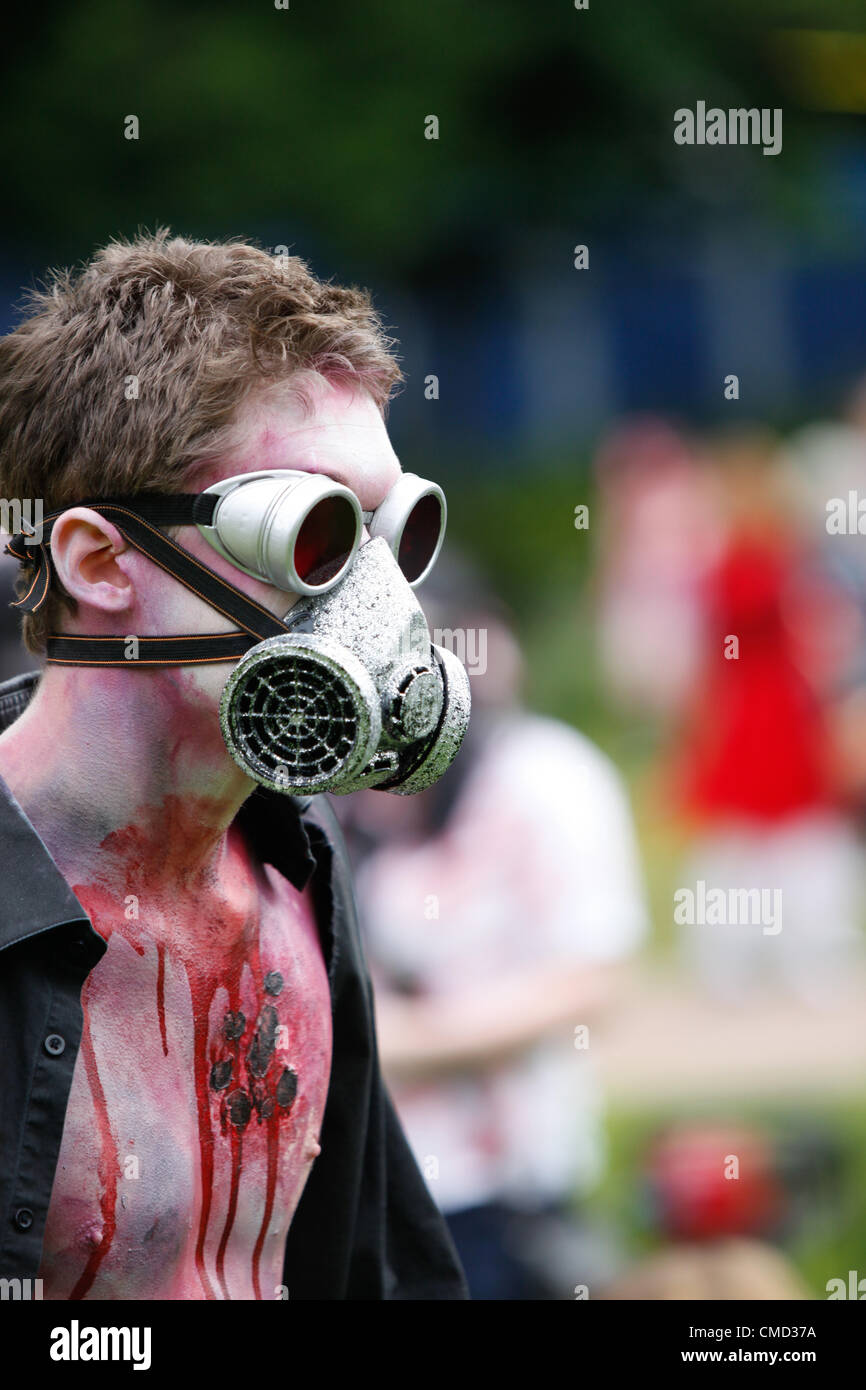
125 763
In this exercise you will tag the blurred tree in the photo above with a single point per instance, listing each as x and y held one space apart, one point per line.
308 122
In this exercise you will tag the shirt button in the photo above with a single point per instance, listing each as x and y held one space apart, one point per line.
54 1044
23 1218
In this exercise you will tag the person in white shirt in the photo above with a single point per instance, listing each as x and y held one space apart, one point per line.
496 926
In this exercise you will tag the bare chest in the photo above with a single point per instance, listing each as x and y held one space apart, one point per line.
197 1099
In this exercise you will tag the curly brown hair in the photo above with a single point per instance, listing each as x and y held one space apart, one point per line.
128 372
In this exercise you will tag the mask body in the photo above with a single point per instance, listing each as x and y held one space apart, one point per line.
354 695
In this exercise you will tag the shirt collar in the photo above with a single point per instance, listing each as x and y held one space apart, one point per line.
37 897
35 894
273 822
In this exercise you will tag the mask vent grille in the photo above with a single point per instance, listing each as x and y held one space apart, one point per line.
293 721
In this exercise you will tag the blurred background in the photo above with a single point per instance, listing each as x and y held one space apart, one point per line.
657 581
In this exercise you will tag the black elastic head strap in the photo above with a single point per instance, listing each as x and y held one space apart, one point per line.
138 519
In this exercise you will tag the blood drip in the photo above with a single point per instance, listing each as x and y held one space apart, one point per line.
108 1167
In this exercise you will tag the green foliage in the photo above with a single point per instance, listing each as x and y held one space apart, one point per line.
307 124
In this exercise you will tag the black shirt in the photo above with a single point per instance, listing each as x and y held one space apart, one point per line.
366 1226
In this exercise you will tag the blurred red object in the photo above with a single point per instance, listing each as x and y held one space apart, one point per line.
712 1181
758 744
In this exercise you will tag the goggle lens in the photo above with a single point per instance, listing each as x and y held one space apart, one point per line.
420 537
325 540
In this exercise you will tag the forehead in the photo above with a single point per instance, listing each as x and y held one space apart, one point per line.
340 434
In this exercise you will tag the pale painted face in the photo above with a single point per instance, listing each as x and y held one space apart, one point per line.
343 438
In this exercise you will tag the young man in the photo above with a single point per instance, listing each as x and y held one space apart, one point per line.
192 1106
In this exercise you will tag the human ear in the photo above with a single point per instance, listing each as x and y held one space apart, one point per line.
86 550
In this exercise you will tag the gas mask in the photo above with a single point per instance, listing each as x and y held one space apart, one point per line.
347 690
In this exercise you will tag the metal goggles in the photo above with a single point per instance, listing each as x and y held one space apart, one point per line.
301 531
